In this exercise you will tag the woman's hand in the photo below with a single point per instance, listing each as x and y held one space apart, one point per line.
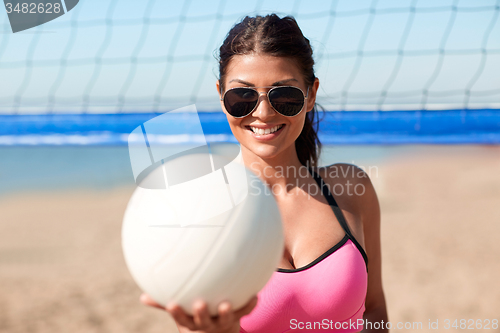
227 321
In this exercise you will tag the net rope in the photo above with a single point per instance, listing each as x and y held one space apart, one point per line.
19 99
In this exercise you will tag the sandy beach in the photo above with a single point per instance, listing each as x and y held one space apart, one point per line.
62 269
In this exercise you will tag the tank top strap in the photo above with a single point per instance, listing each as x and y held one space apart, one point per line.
337 211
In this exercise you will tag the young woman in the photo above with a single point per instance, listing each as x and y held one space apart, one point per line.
330 272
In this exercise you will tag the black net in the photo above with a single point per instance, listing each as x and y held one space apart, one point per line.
111 56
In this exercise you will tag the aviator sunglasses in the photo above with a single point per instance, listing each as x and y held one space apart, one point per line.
286 100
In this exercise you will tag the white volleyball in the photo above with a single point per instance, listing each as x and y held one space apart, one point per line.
200 226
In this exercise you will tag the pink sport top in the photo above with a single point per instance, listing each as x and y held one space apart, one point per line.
327 295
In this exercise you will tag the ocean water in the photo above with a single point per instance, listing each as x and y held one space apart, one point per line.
40 168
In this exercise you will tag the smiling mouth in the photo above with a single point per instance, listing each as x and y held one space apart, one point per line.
261 131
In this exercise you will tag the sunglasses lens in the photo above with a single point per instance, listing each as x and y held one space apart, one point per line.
240 102
288 101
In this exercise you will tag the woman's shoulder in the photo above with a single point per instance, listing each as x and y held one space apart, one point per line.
354 193
349 183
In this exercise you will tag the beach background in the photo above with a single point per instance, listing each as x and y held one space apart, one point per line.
62 268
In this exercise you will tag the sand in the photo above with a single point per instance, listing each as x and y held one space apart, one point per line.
62 269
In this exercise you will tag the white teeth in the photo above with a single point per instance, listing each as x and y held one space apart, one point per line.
261 131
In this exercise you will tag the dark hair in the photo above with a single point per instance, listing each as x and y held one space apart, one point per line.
279 37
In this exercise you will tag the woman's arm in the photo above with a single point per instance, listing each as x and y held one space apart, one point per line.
369 210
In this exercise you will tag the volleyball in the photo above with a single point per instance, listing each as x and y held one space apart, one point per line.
202 226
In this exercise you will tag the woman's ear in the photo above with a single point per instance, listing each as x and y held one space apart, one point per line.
217 84
311 95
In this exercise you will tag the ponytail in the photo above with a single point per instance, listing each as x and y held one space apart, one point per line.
307 144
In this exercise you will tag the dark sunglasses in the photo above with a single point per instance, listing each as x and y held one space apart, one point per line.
286 100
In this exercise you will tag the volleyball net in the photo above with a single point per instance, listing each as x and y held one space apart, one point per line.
414 71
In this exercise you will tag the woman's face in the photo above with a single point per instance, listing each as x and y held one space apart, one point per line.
256 70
